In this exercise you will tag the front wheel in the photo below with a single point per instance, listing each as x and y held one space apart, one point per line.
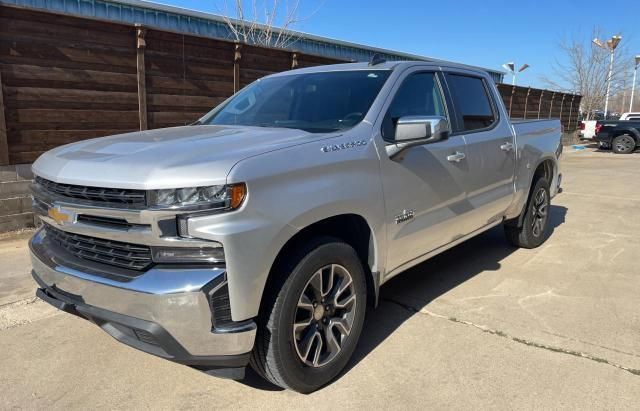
312 317
533 230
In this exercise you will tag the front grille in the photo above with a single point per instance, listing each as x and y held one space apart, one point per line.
125 255
108 196
108 222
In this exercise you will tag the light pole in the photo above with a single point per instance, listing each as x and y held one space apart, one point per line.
633 85
610 45
511 68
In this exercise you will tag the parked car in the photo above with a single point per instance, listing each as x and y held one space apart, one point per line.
259 234
630 116
587 130
623 136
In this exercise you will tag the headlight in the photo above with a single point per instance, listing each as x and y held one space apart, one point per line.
228 196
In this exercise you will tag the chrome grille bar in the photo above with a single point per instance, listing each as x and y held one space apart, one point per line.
131 256
107 196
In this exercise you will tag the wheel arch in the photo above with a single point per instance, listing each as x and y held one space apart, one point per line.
350 228
633 133
546 168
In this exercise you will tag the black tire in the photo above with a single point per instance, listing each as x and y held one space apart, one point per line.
532 232
275 355
623 144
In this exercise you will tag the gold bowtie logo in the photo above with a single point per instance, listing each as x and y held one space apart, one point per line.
59 216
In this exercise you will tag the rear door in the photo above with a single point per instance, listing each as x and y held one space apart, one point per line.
491 148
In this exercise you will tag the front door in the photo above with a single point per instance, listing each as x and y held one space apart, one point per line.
424 185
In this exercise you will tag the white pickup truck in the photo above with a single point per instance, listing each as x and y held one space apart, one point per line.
259 234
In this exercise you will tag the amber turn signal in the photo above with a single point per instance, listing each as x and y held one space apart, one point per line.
238 194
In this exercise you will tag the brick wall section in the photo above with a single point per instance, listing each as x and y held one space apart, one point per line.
15 199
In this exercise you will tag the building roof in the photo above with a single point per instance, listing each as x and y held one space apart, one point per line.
211 25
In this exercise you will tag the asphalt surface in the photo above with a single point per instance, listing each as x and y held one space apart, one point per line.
483 325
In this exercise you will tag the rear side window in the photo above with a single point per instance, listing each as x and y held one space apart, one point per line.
471 101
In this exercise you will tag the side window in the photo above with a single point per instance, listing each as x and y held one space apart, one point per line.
419 95
471 101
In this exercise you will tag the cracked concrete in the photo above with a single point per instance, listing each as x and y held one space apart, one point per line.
482 326
516 339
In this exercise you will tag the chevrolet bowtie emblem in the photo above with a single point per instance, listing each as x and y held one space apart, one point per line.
60 215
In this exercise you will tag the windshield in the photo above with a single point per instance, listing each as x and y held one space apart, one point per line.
314 102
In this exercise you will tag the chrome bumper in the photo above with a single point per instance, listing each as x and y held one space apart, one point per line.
165 312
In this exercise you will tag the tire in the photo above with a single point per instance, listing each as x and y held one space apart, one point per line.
623 144
279 353
535 223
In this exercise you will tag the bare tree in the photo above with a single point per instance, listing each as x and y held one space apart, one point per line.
584 69
267 23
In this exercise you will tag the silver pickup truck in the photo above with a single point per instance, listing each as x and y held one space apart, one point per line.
260 234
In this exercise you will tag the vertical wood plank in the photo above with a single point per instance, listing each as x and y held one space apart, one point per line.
571 114
513 91
294 60
141 76
540 103
237 55
526 103
4 146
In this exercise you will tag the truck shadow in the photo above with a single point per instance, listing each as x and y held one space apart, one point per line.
417 287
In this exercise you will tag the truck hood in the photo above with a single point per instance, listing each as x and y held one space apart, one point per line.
165 158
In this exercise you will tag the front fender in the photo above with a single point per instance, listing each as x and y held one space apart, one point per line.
290 189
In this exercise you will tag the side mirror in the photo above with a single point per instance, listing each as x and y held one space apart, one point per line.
418 130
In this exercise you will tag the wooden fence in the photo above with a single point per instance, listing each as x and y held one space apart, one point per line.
64 79
531 103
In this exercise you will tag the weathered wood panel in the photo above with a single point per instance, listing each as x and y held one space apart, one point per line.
64 75
4 145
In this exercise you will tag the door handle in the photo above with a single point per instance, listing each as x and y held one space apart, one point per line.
456 157
506 146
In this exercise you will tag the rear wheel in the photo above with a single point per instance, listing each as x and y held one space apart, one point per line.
533 229
623 144
312 317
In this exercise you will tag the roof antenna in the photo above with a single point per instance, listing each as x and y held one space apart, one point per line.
377 59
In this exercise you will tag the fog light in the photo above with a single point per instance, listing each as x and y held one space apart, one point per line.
188 254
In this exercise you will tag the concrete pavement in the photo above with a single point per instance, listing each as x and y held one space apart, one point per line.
482 325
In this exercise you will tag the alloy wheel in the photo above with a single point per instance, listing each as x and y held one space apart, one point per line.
625 143
324 315
540 211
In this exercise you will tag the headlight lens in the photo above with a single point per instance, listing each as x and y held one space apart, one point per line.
228 196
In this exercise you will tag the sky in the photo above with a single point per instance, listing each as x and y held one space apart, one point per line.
484 33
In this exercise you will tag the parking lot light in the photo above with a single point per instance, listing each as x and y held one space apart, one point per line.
633 85
609 45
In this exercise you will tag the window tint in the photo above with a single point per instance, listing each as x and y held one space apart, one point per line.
419 95
471 101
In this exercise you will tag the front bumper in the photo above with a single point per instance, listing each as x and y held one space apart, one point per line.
164 311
